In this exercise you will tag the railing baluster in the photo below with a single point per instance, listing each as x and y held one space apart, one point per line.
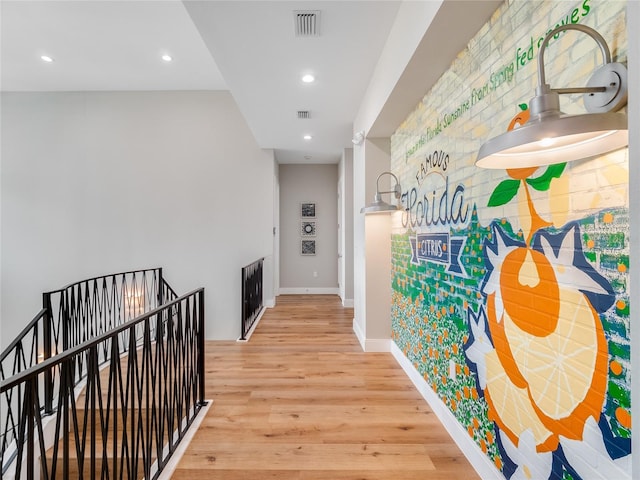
201 344
146 356
47 343
44 473
28 411
160 287
92 374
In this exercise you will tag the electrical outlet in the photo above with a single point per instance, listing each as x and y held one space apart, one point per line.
452 369
315 274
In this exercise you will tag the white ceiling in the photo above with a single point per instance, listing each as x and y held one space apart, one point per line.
254 45
246 47
103 45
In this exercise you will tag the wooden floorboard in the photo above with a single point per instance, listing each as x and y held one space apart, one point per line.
301 401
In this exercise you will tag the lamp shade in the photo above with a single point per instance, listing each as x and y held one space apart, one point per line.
555 139
379 206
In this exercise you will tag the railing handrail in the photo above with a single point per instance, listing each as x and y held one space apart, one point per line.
70 352
5 353
66 287
255 261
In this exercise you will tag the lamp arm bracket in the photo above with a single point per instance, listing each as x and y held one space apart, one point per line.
397 190
385 173
565 91
606 90
604 48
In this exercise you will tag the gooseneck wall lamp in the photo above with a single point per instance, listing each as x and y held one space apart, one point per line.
551 136
379 205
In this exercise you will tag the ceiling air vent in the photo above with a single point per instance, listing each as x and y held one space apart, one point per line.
307 23
304 114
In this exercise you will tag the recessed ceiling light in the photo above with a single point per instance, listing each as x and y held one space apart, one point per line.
307 137
167 58
46 58
308 78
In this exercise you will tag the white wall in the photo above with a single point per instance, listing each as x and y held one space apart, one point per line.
378 246
309 183
96 183
360 199
372 248
270 299
411 23
346 241
372 313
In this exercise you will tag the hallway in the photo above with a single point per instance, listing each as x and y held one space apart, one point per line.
301 401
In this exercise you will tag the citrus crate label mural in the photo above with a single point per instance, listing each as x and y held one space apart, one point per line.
510 288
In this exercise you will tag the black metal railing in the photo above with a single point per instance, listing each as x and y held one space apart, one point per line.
79 312
251 295
84 309
131 414
70 316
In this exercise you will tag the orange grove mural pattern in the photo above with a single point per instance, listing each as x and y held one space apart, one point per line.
510 303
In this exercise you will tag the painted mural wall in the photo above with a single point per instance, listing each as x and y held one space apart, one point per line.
510 288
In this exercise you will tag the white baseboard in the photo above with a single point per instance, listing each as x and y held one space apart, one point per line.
309 291
370 344
347 302
479 461
270 303
253 327
171 466
359 334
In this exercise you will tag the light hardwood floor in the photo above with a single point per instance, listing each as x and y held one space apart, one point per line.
302 401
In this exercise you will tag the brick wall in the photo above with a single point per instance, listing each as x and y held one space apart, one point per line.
510 291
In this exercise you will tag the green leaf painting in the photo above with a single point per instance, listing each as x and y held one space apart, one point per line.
504 192
543 182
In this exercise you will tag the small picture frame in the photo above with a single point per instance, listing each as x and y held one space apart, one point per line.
307 247
308 229
308 210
